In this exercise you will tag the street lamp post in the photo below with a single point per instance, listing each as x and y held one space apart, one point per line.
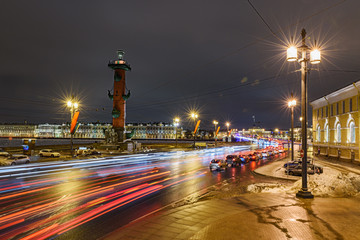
292 104
314 59
194 116
215 137
73 106
176 124
227 126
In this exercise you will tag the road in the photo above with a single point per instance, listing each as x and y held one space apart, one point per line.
89 198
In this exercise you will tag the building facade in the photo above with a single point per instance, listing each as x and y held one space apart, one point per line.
336 123
154 130
141 131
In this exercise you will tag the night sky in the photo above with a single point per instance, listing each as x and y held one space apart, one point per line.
217 57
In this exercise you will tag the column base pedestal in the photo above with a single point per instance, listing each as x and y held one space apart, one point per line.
304 194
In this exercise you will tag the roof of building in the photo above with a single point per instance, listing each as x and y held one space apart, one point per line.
341 94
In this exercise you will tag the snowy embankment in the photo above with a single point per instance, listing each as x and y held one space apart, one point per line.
331 183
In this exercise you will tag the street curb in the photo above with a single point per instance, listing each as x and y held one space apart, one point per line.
270 176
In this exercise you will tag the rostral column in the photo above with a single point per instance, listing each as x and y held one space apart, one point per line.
119 95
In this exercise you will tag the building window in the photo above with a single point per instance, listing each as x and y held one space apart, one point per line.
350 105
352 132
326 111
318 132
318 113
332 110
322 112
338 133
344 106
337 108
326 133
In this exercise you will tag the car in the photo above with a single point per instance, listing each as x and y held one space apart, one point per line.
92 152
297 171
232 160
217 164
3 153
48 153
276 151
270 152
281 150
264 154
258 154
292 164
17 159
316 168
253 157
244 159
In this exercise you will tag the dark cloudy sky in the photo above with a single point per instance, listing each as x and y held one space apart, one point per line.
217 57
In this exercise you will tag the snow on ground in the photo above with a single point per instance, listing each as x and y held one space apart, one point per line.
331 183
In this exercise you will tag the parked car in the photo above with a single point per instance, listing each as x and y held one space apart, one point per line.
281 150
92 152
316 168
297 171
17 159
276 151
3 153
292 164
295 163
48 153
232 160
217 164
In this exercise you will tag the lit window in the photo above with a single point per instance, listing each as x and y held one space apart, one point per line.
318 134
338 133
352 132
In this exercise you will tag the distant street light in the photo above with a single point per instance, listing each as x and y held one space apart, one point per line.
194 116
315 58
215 123
73 106
292 104
227 126
176 124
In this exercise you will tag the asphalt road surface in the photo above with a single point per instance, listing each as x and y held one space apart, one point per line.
86 199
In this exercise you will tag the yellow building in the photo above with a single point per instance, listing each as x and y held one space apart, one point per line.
336 123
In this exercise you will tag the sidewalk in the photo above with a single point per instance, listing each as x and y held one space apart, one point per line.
252 216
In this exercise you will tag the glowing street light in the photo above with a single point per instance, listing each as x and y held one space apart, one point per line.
215 123
227 126
176 124
315 58
73 106
292 104
194 116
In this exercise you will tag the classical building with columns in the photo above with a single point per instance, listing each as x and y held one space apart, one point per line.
336 123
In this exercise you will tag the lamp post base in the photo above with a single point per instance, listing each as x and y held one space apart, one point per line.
304 194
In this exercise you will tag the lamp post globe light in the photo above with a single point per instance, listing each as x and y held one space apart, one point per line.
176 124
194 116
73 106
315 58
215 124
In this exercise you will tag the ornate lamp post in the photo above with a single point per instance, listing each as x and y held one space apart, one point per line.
176 124
315 58
194 116
215 123
73 106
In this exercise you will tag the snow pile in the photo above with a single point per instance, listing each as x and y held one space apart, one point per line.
331 183
267 187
